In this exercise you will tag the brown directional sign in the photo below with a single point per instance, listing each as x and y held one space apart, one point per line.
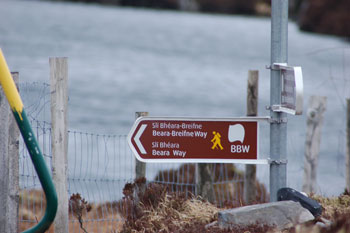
194 140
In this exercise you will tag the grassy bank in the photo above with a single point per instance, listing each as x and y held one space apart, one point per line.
157 210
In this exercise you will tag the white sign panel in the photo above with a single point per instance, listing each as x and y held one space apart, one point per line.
292 90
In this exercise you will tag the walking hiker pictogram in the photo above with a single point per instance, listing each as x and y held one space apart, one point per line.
216 141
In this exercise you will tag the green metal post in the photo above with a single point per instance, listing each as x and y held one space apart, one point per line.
41 169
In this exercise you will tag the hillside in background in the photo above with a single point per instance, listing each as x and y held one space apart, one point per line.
325 16
320 16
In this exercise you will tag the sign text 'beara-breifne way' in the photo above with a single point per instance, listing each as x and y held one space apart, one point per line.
154 139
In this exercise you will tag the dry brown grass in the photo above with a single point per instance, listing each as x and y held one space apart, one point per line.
155 210
335 209
166 217
33 207
334 206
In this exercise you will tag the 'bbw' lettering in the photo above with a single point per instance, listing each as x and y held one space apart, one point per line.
240 148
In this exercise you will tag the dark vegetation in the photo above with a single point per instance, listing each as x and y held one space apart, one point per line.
152 208
326 16
77 205
321 16
155 209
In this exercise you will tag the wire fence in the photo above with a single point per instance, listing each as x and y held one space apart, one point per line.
99 166
332 81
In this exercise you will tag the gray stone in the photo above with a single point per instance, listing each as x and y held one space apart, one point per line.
322 222
282 214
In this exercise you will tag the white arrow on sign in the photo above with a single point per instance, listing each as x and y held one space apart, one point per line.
137 139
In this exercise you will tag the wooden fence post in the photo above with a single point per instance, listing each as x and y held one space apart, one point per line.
252 110
59 137
205 182
9 165
348 145
140 167
317 106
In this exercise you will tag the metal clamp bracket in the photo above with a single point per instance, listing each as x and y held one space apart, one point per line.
279 66
278 120
277 161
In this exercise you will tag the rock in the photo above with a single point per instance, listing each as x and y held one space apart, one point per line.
212 224
283 214
324 222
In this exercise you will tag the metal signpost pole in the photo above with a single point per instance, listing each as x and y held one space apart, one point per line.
278 125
